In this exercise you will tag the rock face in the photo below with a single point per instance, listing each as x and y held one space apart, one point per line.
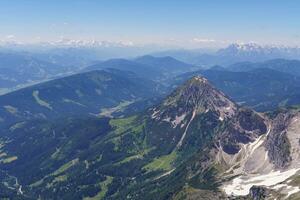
277 143
241 129
198 111
258 193
270 163
192 114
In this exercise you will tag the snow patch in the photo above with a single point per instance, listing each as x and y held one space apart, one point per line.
295 120
228 108
167 119
292 190
240 186
253 146
184 134
266 156
288 189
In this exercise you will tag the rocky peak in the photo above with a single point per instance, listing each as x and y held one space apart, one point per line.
196 96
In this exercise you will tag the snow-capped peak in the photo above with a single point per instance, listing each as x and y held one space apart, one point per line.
257 49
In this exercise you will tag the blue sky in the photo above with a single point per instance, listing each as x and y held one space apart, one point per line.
190 23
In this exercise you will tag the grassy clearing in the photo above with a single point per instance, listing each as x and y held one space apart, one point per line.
127 125
65 167
59 171
122 125
55 155
134 157
107 112
104 188
41 102
117 142
162 163
128 159
60 179
57 180
37 183
12 110
73 102
17 126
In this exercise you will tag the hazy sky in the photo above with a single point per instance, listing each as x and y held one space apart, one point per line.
188 23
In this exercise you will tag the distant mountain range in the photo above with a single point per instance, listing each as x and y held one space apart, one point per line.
21 69
233 53
35 64
18 69
291 67
82 53
97 50
262 86
159 69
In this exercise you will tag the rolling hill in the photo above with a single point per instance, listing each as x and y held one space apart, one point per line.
107 93
159 69
17 69
287 66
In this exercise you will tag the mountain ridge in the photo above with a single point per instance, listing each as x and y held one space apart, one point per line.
104 92
233 53
271 88
189 144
